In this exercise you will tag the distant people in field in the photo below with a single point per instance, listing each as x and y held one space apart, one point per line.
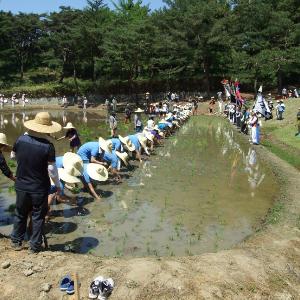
284 93
280 108
298 122
113 124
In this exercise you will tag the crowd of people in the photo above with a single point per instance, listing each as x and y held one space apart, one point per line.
23 100
42 177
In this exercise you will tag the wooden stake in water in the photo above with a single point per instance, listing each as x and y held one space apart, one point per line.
76 295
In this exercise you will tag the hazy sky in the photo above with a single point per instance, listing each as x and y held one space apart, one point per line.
39 6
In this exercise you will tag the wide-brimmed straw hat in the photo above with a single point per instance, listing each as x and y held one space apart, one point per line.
69 126
68 175
72 160
143 140
139 110
3 142
42 123
123 156
127 143
97 172
149 136
105 145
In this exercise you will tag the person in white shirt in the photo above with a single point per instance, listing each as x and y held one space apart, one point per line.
13 100
114 104
220 102
113 124
150 123
254 123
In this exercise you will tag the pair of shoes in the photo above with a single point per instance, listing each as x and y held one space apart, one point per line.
16 246
67 285
101 288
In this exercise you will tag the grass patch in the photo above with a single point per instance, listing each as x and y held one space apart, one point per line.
275 213
289 156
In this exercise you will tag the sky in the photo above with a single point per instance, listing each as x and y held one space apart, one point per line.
41 6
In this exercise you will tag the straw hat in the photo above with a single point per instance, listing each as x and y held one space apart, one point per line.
127 142
68 175
72 160
139 110
269 94
168 116
143 140
97 172
69 126
42 123
105 145
149 136
123 156
163 121
3 142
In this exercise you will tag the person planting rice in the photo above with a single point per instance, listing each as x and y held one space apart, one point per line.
36 158
110 157
93 173
5 147
89 153
72 136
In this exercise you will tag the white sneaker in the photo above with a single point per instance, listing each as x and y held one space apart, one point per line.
94 289
106 288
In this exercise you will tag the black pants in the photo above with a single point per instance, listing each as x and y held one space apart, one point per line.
37 205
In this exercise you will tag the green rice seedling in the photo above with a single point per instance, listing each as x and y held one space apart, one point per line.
11 208
11 163
171 238
172 253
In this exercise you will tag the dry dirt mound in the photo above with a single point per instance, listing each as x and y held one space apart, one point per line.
266 266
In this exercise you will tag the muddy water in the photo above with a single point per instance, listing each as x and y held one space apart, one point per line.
203 191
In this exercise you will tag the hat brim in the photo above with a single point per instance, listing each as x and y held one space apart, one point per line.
122 157
69 127
32 125
126 144
103 145
143 142
67 177
73 160
93 171
6 147
139 111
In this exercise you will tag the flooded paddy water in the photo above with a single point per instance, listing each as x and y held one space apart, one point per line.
203 191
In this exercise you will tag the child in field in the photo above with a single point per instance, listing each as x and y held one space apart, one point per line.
73 137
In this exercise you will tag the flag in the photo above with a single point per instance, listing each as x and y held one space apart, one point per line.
262 107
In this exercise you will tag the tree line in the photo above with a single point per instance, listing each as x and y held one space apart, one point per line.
186 45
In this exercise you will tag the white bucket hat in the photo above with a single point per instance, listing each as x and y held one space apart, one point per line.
3 142
127 142
105 145
68 175
42 123
72 160
123 156
69 126
97 172
139 110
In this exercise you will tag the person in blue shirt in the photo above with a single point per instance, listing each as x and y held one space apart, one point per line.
116 145
114 163
87 182
135 141
89 153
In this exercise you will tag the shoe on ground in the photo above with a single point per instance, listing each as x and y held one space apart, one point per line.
16 246
106 288
65 282
70 289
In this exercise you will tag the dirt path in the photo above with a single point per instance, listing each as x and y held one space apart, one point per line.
266 266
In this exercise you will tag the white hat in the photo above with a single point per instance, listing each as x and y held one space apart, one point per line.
73 160
139 110
127 142
148 135
105 145
269 94
68 175
3 142
143 140
260 89
97 172
69 126
163 121
123 156
42 123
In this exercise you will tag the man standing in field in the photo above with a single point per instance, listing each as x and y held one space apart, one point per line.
36 162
